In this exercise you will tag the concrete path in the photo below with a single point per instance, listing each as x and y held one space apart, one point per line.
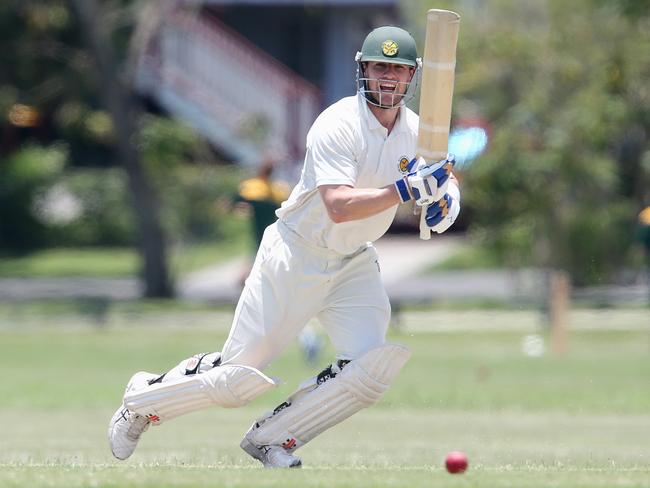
16 289
404 259
220 283
404 256
400 258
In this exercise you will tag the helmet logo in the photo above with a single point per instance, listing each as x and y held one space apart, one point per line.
389 48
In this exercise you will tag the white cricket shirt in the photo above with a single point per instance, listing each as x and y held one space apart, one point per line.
347 145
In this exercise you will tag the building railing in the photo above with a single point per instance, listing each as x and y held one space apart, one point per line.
240 97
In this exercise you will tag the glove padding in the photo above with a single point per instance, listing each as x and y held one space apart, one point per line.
428 183
443 213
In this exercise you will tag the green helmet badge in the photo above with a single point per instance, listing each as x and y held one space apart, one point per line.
389 48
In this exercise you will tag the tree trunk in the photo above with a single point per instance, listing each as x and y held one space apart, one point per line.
123 108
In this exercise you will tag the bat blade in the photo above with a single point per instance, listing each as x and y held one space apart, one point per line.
436 93
437 89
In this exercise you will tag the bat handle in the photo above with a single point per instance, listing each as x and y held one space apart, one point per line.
425 230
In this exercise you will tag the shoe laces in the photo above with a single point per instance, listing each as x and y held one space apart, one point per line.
277 453
139 424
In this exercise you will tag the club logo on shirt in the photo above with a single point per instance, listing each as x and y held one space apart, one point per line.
403 164
389 48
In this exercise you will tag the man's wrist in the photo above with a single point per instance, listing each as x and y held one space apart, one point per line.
403 190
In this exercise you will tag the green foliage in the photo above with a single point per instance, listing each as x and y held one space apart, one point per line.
190 192
201 201
564 91
164 145
52 76
91 207
105 217
44 204
22 175
34 164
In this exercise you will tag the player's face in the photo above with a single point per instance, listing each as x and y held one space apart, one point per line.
388 82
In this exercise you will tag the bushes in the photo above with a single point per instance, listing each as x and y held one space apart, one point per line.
189 197
199 202
104 217
23 175
44 206
565 95
44 203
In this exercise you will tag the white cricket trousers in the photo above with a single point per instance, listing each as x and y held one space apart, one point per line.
293 281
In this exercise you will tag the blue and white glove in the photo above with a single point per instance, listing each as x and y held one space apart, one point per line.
428 183
443 213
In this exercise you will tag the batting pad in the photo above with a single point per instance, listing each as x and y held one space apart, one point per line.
227 386
361 383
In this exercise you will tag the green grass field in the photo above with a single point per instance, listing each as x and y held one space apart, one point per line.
578 421
115 262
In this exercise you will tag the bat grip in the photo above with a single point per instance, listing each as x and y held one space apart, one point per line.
425 230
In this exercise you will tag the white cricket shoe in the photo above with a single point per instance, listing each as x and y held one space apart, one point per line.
271 456
126 427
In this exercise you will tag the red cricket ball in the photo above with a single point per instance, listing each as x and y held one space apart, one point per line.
456 462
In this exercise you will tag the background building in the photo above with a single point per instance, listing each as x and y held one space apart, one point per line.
250 75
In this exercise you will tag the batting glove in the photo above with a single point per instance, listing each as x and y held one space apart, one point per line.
443 213
428 183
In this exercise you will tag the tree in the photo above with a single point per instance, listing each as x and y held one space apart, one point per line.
54 92
565 93
120 101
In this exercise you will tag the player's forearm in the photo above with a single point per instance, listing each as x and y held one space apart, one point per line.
345 203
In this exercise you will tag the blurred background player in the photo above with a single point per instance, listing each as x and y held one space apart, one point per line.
317 261
262 196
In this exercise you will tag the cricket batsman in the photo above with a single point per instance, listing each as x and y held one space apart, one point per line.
316 260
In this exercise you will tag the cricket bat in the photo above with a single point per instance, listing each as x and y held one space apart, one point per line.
437 89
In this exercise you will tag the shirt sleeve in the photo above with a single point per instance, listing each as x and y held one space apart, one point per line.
331 153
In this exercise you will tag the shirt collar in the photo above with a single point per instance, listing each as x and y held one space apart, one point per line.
374 124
